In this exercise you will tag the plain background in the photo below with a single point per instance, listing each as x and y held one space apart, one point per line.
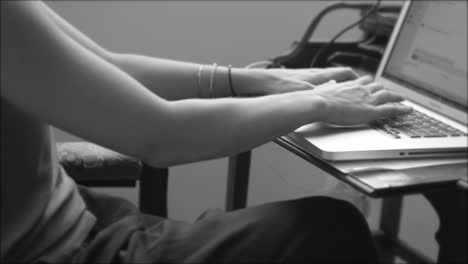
237 33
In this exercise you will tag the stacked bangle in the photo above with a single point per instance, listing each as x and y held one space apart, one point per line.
234 94
213 79
211 88
199 75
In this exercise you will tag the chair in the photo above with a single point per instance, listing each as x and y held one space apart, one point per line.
92 165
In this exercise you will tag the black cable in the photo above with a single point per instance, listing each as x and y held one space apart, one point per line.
302 44
325 47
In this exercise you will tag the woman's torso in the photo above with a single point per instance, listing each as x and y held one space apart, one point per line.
42 213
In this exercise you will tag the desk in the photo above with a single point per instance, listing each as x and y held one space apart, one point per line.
447 198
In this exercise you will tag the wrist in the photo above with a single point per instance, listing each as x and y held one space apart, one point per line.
213 81
221 89
306 107
317 106
245 81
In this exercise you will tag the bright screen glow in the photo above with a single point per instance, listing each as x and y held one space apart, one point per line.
430 53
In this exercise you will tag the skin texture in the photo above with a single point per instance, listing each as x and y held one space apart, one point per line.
132 103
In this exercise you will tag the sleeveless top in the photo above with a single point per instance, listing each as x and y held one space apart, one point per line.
43 216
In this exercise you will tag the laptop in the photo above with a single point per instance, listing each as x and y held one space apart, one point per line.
426 62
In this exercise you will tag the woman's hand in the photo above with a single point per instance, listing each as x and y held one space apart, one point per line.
357 102
256 82
348 100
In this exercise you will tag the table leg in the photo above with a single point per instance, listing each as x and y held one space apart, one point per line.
450 206
153 190
238 181
391 216
389 227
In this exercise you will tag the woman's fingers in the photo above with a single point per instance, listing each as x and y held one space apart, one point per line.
384 96
364 80
339 74
374 87
392 109
361 81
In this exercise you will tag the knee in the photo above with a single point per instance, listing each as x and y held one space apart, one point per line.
302 214
338 208
333 224
313 227
325 210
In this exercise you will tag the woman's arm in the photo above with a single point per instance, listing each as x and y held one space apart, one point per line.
64 84
169 79
174 80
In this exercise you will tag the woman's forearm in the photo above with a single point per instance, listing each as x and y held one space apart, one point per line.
206 129
174 80
83 94
80 92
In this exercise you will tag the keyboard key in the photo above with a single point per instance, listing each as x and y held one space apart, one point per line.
415 125
411 133
386 132
435 135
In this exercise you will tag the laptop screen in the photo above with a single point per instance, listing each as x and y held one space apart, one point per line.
430 52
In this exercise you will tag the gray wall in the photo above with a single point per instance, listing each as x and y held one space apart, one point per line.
237 33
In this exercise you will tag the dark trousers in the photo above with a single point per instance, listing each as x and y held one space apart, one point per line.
309 230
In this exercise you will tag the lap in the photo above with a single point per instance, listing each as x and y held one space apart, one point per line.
308 229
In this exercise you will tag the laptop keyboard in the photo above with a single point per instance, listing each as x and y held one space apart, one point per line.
415 125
